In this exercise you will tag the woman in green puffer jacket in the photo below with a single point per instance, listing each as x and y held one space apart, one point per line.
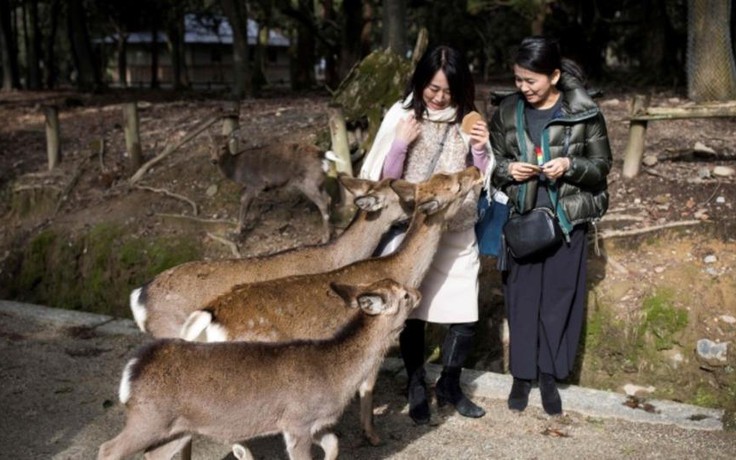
551 148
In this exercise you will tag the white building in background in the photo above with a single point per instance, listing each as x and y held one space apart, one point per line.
208 55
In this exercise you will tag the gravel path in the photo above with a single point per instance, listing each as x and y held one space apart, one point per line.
58 397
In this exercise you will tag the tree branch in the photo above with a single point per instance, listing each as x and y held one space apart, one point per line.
172 147
171 194
639 231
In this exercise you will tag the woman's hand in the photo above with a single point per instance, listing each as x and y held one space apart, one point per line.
556 167
479 135
522 172
407 129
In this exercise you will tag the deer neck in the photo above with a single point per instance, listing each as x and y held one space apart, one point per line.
360 238
366 346
415 254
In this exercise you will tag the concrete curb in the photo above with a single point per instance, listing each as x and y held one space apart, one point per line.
589 402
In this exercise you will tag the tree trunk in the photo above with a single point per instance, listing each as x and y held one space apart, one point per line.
237 16
540 14
122 49
88 76
154 51
175 35
711 71
303 68
52 75
11 78
394 26
332 78
33 44
352 29
259 63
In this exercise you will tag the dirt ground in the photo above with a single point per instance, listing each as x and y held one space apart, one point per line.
58 391
690 261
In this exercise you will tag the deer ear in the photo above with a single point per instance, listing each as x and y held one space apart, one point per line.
405 189
353 185
347 292
368 203
241 452
372 303
429 207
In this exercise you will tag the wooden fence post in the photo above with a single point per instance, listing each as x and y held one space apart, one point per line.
132 134
53 137
637 131
339 138
230 124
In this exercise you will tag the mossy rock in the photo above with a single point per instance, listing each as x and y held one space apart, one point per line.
96 271
372 87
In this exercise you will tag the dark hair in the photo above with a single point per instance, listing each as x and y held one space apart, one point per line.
457 71
542 55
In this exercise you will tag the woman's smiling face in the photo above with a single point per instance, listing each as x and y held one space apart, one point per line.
538 89
436 94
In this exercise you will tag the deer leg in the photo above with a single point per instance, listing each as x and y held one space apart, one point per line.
321 199
365 393
168 450
328 442
131 440
298 445
245 201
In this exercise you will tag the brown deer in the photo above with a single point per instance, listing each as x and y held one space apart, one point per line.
261 168
162 306
301 307
238 390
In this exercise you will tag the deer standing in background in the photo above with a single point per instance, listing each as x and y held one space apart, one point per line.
290 165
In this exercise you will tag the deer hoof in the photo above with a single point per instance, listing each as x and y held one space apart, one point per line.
372 438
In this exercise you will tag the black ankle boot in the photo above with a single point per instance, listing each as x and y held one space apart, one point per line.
551 401
448 390
519 396
417 395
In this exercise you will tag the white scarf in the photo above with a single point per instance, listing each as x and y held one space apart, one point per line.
373 164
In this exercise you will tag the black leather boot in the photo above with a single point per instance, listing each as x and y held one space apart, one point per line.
551 401
455 350
411 344
519 396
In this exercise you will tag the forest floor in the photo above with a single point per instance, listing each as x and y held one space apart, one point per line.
662 280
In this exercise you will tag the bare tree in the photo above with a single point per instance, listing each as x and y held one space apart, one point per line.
394 26
8 49
81 46
711 70
237 16
32 33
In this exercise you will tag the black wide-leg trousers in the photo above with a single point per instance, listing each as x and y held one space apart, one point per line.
545 306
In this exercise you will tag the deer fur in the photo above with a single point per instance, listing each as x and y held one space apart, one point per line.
301 307
239 390
162 306
280 165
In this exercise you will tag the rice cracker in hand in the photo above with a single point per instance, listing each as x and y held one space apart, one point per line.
469 120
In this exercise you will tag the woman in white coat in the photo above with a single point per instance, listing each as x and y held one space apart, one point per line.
419 136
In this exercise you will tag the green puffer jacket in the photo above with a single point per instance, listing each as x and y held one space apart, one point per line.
579 129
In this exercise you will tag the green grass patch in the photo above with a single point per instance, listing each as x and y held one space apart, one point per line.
662 320
95 272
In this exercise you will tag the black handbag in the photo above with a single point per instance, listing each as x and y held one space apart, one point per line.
532 233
